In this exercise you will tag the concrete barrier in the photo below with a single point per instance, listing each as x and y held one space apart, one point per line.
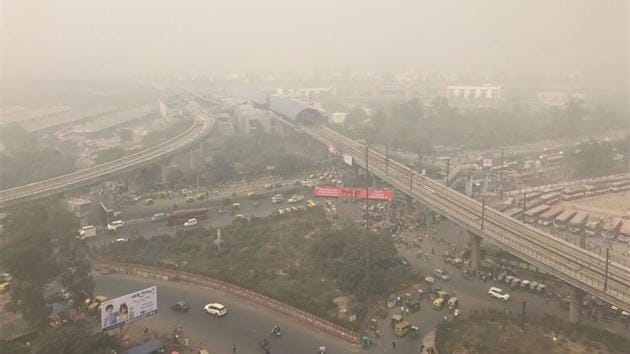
174 275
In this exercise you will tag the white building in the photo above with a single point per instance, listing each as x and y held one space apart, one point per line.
558 98
485 92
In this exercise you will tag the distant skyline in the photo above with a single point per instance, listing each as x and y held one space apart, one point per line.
121 38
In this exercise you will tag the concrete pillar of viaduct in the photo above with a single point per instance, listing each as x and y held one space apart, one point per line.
575 307
475 252
164 168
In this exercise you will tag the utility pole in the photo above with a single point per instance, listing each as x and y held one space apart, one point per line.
501 177
367 216
448 169
483 211
387 159
523 315
411 178
606 270
524 205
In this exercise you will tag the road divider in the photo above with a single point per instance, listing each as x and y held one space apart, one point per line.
248 295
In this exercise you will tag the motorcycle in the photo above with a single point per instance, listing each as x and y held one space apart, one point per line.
275 332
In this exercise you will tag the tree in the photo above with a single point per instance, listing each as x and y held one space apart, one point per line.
75 338
71 254
28 256
592 158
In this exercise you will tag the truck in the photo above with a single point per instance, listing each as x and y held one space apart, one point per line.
295 199
87 232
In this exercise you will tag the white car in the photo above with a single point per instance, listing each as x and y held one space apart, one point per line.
158 217
115 225
442 274
190 222
215 309
121 240
498 294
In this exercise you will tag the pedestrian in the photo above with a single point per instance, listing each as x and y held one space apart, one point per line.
233 349
186 341
393 344
421 347
377 334
146 330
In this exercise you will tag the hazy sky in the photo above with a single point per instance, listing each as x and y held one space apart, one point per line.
78 38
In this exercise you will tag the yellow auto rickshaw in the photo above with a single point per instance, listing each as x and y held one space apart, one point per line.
95 304
402 329
4 287
55 321
438 303
396 319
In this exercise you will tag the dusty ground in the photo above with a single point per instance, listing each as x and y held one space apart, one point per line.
612 204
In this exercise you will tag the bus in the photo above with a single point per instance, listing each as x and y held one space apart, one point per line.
180 216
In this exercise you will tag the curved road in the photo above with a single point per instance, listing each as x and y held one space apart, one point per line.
244 325
202 124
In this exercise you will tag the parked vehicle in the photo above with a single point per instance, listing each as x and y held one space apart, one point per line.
442 274
295 199
87 232
278 198
115 225
191 222
498 294
438 303
402 329
158 217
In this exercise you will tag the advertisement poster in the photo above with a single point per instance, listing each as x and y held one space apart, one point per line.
354 193
347 159
128 308
332 149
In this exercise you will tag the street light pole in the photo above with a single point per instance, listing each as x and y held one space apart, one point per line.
411 178
606 270
483 212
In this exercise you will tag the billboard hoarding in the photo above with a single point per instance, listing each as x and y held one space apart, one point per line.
347 159
487 163
354 193
129 308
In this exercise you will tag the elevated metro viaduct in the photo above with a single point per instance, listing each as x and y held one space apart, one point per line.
584 271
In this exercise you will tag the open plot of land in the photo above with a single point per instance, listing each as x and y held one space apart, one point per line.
497 333
612 204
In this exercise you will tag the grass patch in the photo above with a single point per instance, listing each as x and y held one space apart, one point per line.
300 259
496 332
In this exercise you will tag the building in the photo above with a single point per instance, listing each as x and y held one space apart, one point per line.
558 98
80 208
474 93
250 120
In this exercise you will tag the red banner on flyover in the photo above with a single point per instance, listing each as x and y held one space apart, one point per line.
354 193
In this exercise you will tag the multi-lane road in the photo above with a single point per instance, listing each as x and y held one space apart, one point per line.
578 267
244 326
